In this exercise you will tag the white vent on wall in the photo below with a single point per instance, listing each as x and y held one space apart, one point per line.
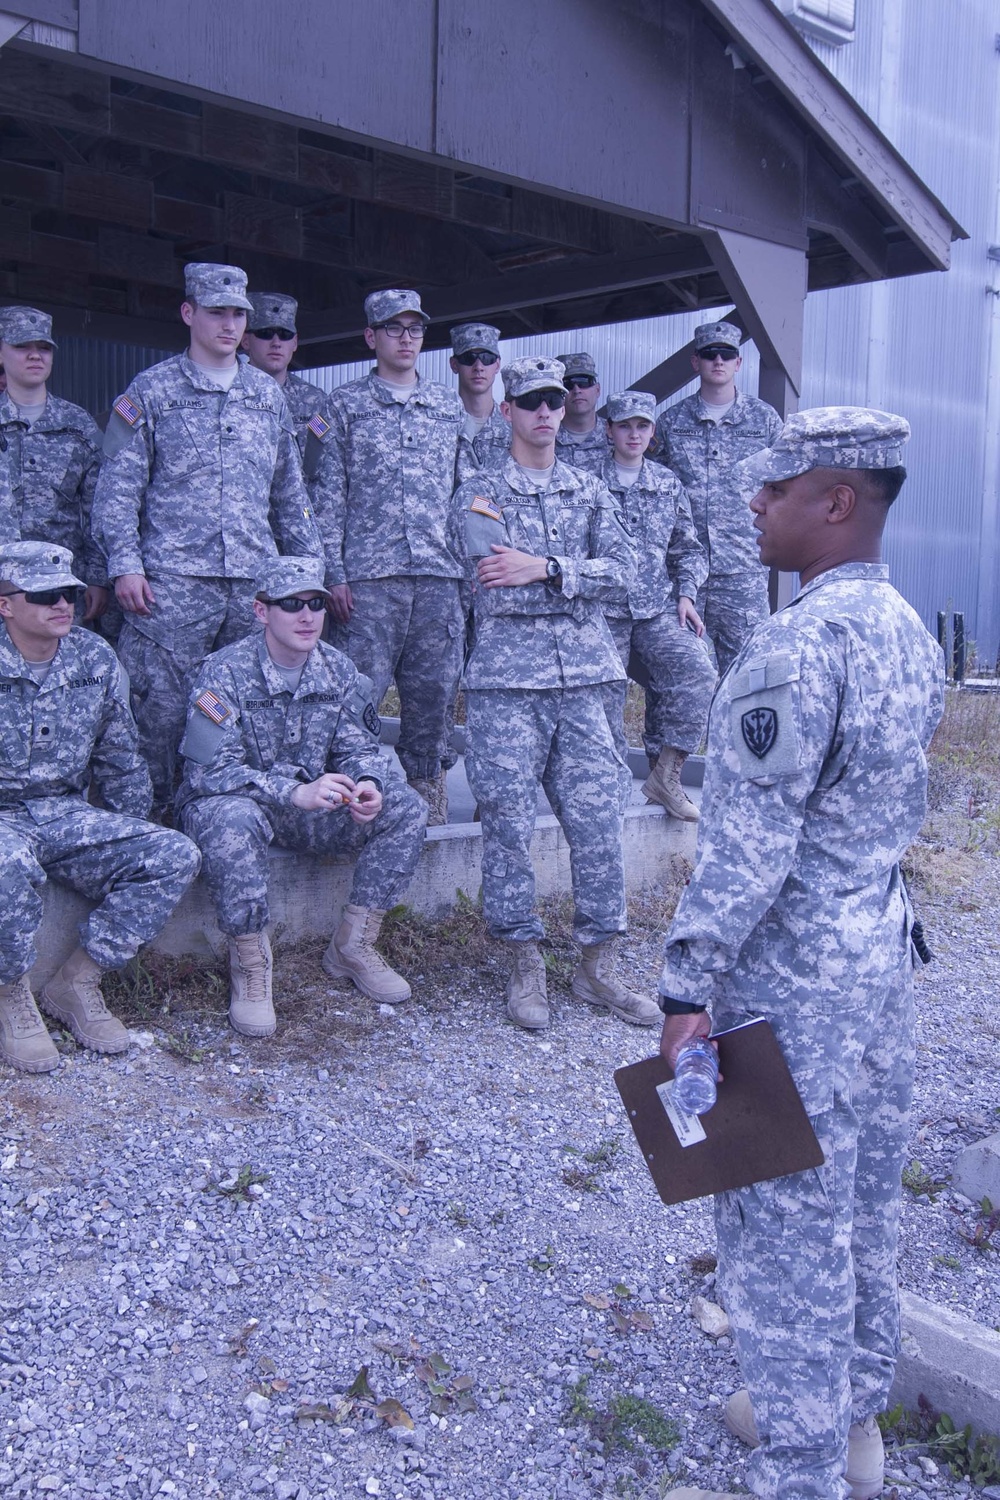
830 20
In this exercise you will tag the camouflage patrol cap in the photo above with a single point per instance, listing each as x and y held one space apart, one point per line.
532 373
281 577
213 285
32 566
272 310
631 404
381 307
578 364
707 334
830 437
466 336
25 325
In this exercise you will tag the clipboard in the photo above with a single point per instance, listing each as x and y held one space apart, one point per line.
757 1129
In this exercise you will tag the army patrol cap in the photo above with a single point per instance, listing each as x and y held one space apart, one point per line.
382 307
26 325
284 576
631 404
33 567
532 373
272 310
707 334
578 364
830 437
466 336
212 285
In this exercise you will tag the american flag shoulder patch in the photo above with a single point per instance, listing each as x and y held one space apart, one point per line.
213 707
127 410
482 505
318 426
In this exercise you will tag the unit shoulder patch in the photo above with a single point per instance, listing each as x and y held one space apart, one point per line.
763 717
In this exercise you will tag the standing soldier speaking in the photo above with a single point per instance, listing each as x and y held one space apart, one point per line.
816 784
201 483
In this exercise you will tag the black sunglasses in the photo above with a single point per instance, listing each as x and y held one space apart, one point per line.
579 382
284 334
477 357
296 606
532 400
719 351
46 597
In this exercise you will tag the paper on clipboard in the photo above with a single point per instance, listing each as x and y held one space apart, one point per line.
757 1129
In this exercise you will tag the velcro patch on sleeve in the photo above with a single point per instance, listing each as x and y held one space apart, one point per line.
763 720
125 408
482 505
213 707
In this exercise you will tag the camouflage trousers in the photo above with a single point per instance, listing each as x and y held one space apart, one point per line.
679 683
731 607
410 630
234 834
808 1262
559 739
191 618
136 870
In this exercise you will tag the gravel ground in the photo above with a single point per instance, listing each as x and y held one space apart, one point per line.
207 1241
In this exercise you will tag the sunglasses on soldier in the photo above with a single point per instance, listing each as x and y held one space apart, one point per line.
295 606
46 597
719 351
476 357
532 400
579 382
266 334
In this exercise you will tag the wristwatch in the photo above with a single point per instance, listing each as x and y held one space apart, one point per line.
553 572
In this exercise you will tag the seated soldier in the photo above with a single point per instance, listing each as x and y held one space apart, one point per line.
282 745
658 628
67 731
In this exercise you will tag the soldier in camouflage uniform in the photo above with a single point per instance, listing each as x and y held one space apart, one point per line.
380 462
658 628
702 439
475 359
544 551
582 438
816 784
270 343
201 483
68 734
282 745
51 450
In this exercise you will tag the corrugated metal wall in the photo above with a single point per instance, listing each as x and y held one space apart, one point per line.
926 346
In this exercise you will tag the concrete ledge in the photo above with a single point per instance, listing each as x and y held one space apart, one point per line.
950 1360
977 1170
307 893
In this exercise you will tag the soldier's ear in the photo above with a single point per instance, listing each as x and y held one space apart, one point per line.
843 501
370 337
260 611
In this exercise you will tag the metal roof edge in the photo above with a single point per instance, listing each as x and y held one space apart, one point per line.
776 47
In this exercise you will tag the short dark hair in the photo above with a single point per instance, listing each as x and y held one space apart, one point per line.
884 484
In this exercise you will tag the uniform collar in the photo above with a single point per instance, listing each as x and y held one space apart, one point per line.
313 673
867 572
384 392
204 382
609 474
63 664
563 477
10 414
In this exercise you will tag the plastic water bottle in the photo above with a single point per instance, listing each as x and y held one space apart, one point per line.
695 1077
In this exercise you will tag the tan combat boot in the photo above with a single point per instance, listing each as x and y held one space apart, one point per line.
663 785
251 1008
595 983
24 1041
865 1452
352 955
73 996
434 790
527 998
